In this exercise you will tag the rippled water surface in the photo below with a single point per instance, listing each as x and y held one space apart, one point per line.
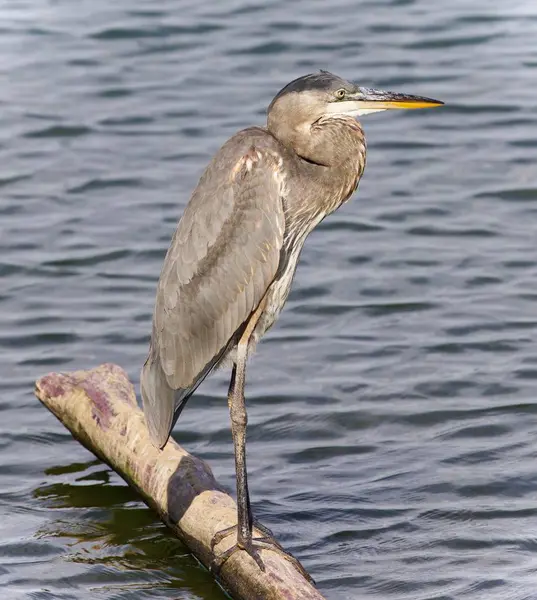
393 436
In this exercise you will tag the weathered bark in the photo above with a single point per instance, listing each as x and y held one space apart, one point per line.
99 408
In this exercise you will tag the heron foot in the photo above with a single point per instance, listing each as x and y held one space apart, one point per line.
251 546
221 535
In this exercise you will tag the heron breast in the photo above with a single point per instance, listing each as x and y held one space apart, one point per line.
279 289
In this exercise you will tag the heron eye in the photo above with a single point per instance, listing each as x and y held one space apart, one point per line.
340 94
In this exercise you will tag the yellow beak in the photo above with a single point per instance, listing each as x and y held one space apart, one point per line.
371 99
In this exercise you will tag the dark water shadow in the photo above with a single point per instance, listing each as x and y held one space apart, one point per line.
98 520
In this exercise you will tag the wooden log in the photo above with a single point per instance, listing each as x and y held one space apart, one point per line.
99 408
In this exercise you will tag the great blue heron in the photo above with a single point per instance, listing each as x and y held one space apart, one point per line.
228 271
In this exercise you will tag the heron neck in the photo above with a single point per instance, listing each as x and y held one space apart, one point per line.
327 185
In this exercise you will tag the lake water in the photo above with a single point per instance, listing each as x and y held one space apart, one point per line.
393 409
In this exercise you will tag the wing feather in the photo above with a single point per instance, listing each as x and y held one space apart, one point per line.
223 257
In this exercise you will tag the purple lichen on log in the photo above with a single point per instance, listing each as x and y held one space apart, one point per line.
55 384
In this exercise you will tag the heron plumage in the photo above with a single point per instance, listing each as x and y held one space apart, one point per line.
232 259
221 261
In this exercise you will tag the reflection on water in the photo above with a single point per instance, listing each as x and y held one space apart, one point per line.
402 371
118 537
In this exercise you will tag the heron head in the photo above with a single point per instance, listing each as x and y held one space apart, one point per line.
322 94
328 101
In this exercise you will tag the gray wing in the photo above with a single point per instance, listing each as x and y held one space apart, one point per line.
223 257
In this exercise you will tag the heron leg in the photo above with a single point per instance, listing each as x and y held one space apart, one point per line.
239 421
245 521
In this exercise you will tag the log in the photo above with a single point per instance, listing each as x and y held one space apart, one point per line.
100 410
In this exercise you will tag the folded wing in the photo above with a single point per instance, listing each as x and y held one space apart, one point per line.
223 257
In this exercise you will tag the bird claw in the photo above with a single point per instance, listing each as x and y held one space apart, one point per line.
221 535
251 547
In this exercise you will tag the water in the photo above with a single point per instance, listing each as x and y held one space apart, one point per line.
393 437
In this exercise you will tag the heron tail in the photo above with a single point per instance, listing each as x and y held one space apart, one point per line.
158 401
